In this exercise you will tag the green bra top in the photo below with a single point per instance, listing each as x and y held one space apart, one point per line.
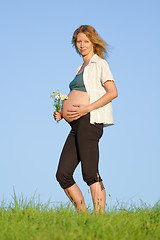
77 83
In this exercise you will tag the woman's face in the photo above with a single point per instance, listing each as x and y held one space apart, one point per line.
84 45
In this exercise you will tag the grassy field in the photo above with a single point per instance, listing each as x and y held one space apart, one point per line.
26 220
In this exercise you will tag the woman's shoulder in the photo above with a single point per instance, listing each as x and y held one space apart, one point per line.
103 66
102 63
99 60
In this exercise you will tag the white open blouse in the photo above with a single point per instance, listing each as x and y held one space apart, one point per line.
95 74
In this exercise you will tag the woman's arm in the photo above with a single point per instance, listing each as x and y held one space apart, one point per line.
81 110
106 98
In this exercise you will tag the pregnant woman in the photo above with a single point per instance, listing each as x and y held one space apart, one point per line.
88 109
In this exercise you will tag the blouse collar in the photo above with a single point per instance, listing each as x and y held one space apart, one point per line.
95 58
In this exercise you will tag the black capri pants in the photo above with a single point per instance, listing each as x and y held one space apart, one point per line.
81 146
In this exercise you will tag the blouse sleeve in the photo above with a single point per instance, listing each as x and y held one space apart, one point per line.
105 72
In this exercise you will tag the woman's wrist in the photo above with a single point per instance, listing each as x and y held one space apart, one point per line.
89 108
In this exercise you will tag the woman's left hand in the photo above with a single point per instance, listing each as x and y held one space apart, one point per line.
79 111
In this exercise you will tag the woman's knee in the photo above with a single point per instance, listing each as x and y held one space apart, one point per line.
60 177
65 180
91 178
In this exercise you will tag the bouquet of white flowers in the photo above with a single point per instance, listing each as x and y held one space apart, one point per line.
58 99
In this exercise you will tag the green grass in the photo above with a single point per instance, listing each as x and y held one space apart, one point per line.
27 219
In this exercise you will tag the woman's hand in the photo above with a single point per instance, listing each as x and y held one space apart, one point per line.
78 112
57 115
81 110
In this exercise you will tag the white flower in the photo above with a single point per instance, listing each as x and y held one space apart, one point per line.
66 97
62 97
57 96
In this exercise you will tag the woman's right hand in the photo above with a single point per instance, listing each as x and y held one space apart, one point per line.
57 115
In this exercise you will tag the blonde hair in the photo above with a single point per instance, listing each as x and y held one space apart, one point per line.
99 45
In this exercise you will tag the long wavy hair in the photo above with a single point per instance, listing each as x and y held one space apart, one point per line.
99 45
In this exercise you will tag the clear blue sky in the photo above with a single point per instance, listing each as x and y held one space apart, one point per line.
36 56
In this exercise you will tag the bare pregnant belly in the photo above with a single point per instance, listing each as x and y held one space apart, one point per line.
74 97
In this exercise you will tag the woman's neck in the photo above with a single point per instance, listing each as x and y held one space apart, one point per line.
87 58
